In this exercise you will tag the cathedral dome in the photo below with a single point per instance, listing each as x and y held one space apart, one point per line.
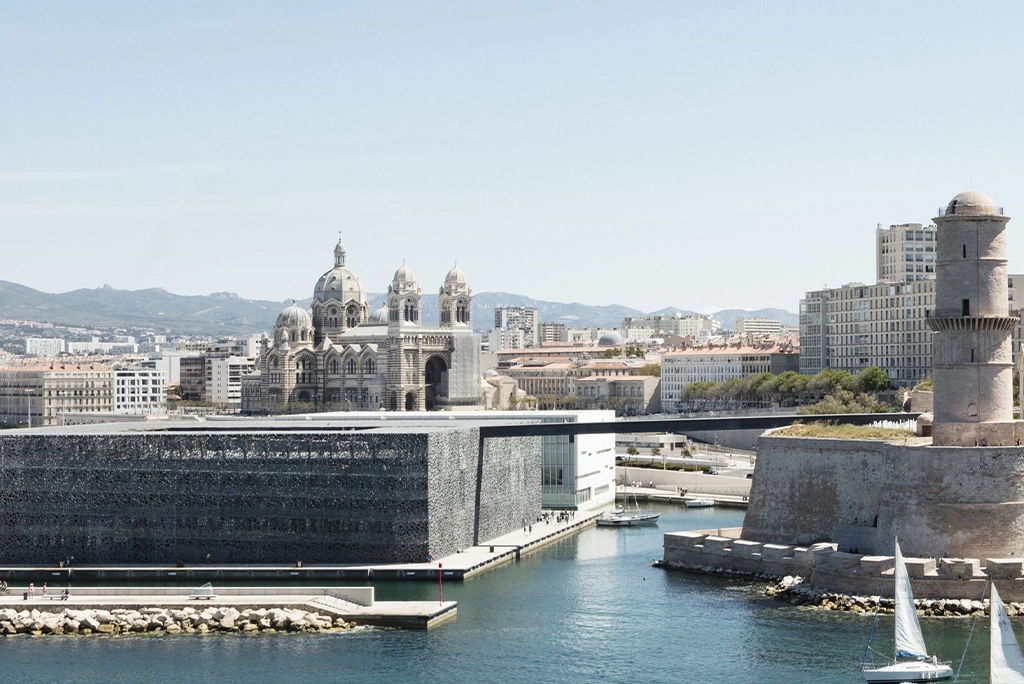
455 277
611 339
339 284
379 317
972 203
294 316
405 275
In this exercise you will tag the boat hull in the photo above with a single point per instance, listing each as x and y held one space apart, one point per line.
626 520
909 671
699 503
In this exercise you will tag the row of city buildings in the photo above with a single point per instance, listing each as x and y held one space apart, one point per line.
339 355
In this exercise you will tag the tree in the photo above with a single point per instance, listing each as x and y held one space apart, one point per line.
631 451
872 380
655 452
651 369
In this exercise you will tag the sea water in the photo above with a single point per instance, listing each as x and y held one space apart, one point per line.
587 608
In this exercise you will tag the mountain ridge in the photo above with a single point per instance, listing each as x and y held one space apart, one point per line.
227 313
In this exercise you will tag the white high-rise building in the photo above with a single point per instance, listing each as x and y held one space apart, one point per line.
904 253
44 346
758 326
515 318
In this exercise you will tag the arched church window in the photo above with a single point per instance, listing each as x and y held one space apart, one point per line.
303 335
334 366
350 367
274 362
352 320
369 367
293 335
444 316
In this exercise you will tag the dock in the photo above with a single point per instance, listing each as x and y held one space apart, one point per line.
356 605
455 567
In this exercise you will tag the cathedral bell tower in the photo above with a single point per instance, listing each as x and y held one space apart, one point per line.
455 301
406 389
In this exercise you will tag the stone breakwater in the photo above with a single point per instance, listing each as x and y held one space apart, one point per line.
166 621
792 590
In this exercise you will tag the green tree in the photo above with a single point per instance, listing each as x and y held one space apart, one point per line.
872 380
631 451
651 369
655 453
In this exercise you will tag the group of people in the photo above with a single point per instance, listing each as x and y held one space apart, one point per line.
563 516
642 483
31 593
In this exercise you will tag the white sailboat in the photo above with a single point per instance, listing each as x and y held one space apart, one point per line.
626 517
911 662
1005 661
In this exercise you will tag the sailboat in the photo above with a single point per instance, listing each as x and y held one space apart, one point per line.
1005 661
627 518
910 662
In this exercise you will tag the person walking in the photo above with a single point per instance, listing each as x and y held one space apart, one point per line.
31 590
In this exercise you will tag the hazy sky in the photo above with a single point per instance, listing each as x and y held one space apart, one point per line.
702 155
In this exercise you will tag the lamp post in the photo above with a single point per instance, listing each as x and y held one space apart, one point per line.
28 406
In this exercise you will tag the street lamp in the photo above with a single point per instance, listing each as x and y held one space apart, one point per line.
28 406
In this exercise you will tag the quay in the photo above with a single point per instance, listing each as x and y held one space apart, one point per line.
455 567
356 605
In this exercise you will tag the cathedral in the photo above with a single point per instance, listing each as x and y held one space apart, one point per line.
341 357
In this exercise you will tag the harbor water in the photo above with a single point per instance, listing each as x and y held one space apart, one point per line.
587 608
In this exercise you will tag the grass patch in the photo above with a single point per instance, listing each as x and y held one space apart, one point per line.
833 431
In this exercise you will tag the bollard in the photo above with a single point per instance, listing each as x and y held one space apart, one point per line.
492 549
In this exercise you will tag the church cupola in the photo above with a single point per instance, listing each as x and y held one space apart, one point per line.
455 300
404 303
339 300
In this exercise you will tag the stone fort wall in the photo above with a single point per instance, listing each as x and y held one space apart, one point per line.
965 502
252 497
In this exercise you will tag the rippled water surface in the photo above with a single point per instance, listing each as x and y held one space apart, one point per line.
586 608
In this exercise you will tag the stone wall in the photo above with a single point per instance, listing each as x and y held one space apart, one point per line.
940 501
260 497
826 568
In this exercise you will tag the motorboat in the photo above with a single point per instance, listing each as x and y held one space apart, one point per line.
699 503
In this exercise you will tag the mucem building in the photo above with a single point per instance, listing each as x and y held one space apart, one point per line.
254 492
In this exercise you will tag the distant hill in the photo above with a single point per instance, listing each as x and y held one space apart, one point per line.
225 313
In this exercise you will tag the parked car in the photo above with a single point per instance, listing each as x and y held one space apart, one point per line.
710 471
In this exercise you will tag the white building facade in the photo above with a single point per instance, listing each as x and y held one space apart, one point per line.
139 390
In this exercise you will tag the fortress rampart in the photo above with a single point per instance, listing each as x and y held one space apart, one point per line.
965 502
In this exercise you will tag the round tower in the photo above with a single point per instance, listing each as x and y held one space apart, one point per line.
971 361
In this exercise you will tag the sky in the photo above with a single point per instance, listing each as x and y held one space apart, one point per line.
651 154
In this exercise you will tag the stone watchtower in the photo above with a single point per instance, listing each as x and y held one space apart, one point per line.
972 368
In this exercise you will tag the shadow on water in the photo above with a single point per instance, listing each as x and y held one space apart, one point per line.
587 607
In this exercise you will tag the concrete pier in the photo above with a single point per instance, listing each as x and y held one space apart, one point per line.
354 604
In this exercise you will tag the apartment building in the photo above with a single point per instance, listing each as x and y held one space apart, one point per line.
139 390
38 395
721 362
